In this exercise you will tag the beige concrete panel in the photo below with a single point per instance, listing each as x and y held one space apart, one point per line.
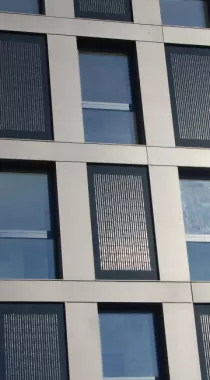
201 292
181 342
155 94
189 157
75 225
65 88
84 346
188 36
169 224
61 8
94 291
146 11
80 27
54 151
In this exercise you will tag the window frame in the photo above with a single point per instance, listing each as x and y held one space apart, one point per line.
171 48
127 48
41 39
54 233
120 274
57 308
201 309
128 17
159 331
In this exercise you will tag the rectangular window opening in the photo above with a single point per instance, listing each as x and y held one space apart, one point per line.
111 99
132 342
116 10
29 240
122 225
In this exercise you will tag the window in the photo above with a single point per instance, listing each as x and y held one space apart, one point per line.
25 108
20 6
129 343
195 194
119 10
108 101
188 73
202 318
26 227
122 226
192 13
32 342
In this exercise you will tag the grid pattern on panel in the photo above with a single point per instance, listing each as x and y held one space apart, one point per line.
22 104
205 326
189 82
104 9
121 220
31 347
103 6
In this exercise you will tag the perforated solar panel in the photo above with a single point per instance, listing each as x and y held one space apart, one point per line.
25 110
189 82
32 342
202 316
119 10
121 222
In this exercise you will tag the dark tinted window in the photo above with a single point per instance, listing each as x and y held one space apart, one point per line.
108 102
119 10
202 317
185 12
26 233
20 6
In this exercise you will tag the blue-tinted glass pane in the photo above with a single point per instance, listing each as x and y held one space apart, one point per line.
19 6
105 78
24 201
109 126
199 261
196 206
185 12
128 345
27 258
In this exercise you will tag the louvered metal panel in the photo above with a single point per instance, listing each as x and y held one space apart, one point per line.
202 316
121 222
32 342
189 82
119 10
25 109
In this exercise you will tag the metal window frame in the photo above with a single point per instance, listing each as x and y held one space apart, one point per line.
159 330
201 309
117 274
197 238
128 17
107 106
41 309
182 49
54 233
41 40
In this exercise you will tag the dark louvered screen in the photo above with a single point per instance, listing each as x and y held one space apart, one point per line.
32 342
119 10
25 109
189 81
121 222
202 316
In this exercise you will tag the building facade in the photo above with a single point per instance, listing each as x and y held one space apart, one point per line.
105 190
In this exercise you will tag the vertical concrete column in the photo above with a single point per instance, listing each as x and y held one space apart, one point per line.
75 224
169 224
146 12
84 341
65 89
59 8
181 341
155 94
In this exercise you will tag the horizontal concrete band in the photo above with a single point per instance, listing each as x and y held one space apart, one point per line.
185 157
80 27
95 291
